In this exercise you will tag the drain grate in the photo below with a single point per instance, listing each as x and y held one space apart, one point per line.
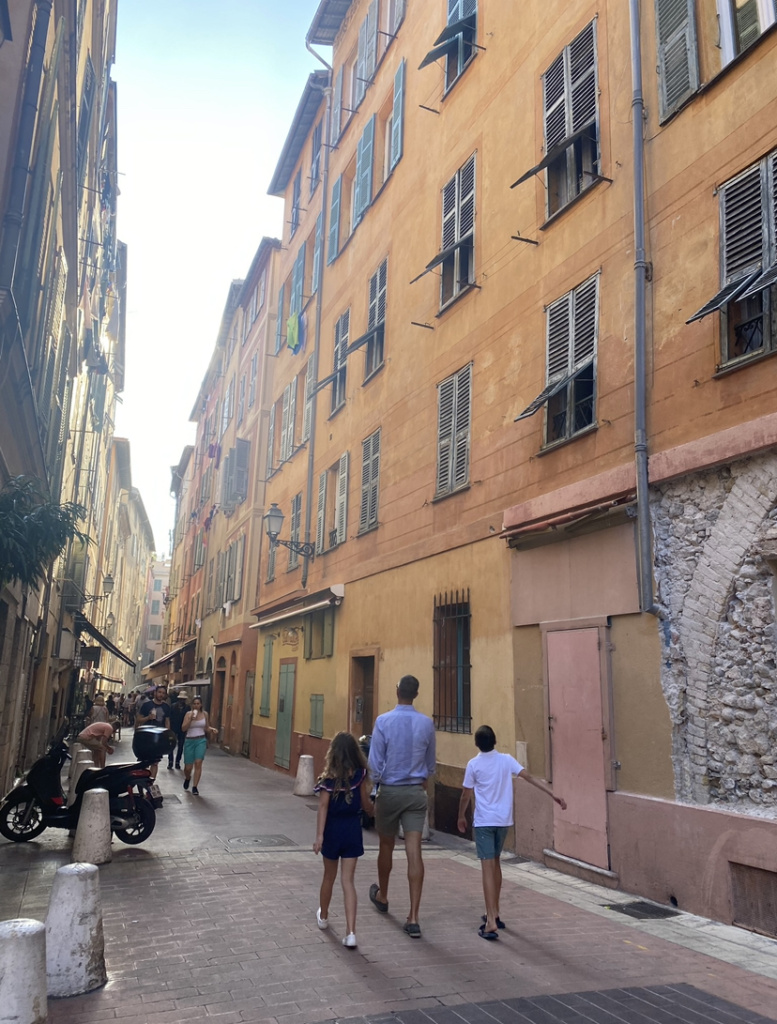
642 911
263 841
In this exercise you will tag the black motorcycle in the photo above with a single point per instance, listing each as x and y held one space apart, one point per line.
38 802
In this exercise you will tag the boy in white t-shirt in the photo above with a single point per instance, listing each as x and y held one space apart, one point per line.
489 777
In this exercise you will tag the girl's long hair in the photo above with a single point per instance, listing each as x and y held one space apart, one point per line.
343 759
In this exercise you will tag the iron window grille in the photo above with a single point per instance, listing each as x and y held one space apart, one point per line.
452 668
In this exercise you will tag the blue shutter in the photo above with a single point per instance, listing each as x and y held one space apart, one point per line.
397 115
365 182
317 254
334 222
337 106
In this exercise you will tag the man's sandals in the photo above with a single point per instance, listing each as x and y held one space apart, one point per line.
378 904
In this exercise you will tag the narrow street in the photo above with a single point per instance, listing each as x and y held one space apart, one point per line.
214 918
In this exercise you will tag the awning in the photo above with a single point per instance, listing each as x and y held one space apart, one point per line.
83 625
169 657
335 596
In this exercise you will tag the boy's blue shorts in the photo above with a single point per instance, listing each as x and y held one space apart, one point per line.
490 840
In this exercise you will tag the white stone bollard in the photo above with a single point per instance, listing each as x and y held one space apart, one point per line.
84 760
75 946
75 750
304 784
23 971
93 833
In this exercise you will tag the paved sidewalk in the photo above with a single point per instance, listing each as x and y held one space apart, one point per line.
214 917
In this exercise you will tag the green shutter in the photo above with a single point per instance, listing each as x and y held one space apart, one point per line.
329 632
264 707
333 246
397 115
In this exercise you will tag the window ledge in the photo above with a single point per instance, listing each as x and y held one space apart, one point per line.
374 374
449 494
554 445
572 202
456 298
724 369
368 529
334 412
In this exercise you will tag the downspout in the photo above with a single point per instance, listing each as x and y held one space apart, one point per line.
313 365
645 561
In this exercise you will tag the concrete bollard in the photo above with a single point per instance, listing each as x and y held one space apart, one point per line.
75 750
84 760
304 784
93 833
23 971
75 946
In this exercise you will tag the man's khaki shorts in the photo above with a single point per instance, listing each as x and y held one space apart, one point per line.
395 805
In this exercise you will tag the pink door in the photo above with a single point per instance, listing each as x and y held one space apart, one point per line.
579 744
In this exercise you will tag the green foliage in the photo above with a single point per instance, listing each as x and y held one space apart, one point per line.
33 530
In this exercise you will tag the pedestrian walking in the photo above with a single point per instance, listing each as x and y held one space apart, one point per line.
343 792
129 709
198 730
177 714
154 712
96 737
111 705
488 777
98 711
402 757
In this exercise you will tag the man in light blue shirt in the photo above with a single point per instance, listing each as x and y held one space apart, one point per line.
402 757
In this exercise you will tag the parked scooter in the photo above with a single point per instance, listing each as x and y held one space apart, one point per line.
38 802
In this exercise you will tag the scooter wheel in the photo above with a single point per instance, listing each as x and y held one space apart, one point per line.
21 818
144 824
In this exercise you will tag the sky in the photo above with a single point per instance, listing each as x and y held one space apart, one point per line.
206 96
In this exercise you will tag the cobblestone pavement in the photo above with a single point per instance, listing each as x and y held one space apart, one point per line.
214 918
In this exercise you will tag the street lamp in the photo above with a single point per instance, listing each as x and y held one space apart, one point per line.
108 584
273 524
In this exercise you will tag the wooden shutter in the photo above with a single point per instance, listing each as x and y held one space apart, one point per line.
582 78
585 322
308 412
678 63
460 9
285 425
279 321
333 246
297 282
559 330
264 704
461 440
360 69
555 103
341 505
466 210
364 161
742 223
329 632
228 479
449 207
320 513
446 399
292 417
337 106
294 528
317 714
377 295
270 442
371 54
317 254
240 486
397 116
368 512
240 547
220 574
229 589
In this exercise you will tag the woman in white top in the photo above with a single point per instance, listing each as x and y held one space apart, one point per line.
198 729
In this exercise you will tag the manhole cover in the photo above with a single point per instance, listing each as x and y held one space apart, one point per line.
642 911
260 841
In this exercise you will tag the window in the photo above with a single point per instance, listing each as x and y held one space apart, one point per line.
342 326
362 190
454 402
252 379
332 508
209 588
155 606
337 105
154 633
457 43
747 299
397 117
317 714
288 415
366 58
157 585
393 15
742 22
308 392
228 408
279 320
296 298
368 513
271 442
233 576
295 529
457 254
241 399
234 474
295 203
319 633
451 668
376 323
572 329
678 63
315 159
333 242
317 246
571 117
199 552
264 702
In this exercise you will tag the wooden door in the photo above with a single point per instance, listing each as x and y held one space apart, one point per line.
579 722
285 713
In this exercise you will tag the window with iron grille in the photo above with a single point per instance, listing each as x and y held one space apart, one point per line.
456 258
452 705
747 299
368 513
342 327
571 117
572 331
454 404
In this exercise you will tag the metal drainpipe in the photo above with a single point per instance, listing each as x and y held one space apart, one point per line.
640 277
14 212
313 364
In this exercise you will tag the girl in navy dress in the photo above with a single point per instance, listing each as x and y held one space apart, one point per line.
343 790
